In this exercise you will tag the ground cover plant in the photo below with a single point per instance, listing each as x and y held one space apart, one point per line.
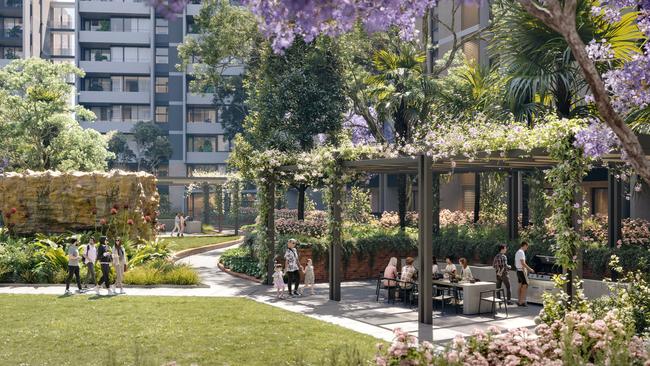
229 331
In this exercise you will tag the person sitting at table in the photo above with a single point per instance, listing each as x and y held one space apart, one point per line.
465 272
450 269
434 268
408 276
390 272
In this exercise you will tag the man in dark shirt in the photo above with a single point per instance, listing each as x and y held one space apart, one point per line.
501 267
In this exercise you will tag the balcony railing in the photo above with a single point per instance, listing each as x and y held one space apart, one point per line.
63 52
13 3
61 24
12 33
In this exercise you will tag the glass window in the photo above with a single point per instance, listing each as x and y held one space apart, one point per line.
203 115
223 144
117 25
202 144
162 83
103 114
144 54
162 26
144 24
117 54
117 83
117 113
130 54
468 198
63 44
11 53
131 84
97 84
162 114
600 204
63 18
162 55
96 54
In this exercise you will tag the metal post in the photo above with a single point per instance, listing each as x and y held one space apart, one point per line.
477 196
270 229
513 209
614 209
436 203
425 239
335 237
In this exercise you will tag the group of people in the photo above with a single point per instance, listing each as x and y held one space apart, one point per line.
291 271
179 224
501 267
409 274
89 254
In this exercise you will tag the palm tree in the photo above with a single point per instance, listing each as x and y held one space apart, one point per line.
403 95
543 75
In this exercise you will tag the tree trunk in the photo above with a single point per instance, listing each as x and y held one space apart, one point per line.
562 19
301 201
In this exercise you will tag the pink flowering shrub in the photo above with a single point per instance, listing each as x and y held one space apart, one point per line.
390 219
315 228
455 218
636 232
578 339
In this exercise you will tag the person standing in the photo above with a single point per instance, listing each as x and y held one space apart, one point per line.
119 262
183 221
522 273
501 268
73 266
105 257
292 267
177 225
90 256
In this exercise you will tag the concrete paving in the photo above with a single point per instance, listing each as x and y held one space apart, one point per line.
357 310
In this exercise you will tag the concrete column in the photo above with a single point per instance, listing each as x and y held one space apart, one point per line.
425 239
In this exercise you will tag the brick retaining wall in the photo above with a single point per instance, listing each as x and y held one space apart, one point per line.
354 268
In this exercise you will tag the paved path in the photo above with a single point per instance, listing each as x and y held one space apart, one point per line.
357 310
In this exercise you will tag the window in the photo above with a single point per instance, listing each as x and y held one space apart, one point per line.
202 144
63 44
130 25
103 114
130 54
162 26
97 25
13 27
136 83
63 18
468 198
11 53
97 84
135 113
162 114
97 54
162 55
162 83
204 115
162 170
599 203
223 144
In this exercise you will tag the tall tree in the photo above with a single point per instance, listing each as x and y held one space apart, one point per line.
38 130
153 146
294 97
118 145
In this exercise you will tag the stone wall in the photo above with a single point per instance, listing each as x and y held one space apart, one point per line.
117 203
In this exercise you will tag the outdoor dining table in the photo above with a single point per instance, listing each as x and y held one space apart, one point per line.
471 292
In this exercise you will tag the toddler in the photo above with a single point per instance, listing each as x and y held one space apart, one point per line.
309 276
278 281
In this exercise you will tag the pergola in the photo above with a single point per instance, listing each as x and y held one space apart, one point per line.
428 171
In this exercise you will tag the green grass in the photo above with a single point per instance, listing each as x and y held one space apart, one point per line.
177 244
81 330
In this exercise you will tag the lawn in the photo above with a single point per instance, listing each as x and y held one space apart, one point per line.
176 244
81 330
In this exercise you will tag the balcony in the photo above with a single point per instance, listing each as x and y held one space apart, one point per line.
11 8
107 126
11 37
202 128
200 99
115 7
114 97
122 68
206 157
130 38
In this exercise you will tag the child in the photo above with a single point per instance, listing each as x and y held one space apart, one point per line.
278 281
309 276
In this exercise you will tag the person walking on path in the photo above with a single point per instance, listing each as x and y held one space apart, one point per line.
73 266
522 273
501 268
309 276
120 264
292 267
183 223
105 257
278 281
177 225
89 257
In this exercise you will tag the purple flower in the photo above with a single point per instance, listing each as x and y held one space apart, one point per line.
596 140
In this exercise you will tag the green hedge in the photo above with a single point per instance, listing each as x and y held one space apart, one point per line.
241 261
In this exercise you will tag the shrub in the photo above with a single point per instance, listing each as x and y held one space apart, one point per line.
636 232
357 206
161 272
314 228
390 219
241 261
